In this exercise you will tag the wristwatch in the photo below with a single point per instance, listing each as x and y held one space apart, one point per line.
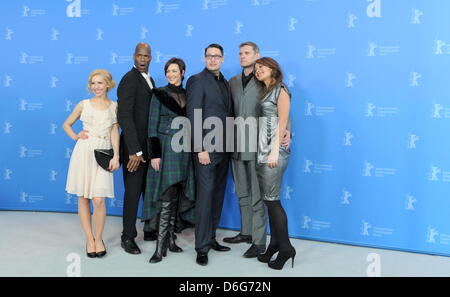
139 154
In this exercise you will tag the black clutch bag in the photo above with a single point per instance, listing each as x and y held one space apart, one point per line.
103 156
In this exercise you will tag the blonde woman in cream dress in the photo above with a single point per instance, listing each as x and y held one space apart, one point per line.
85 177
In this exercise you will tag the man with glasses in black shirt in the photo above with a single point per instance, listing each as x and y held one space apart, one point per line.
209 97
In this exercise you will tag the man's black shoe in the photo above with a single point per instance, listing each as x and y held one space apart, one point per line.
202 258
220 248
254 251
130 247
150 236
238 239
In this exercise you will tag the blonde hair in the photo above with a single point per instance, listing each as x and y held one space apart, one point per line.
110 83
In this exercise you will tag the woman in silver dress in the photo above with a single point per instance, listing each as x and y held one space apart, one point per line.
273 158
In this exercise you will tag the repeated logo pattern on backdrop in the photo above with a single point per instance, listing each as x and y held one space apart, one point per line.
370 109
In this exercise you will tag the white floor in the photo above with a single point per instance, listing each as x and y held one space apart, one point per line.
52 244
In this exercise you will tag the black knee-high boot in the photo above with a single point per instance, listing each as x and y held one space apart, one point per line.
163 232
172 244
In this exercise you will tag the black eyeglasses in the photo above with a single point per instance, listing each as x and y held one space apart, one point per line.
213 57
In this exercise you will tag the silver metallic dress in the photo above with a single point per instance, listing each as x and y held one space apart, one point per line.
270 178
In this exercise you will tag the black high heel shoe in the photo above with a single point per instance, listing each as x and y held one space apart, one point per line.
282 257
91 255
161 251
271 250
102 253
173 247
163 234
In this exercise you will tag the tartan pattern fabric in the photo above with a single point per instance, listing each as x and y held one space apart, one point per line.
174 167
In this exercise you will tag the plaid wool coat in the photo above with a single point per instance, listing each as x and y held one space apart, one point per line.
175 167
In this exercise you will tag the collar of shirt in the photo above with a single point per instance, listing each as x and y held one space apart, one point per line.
143 73
246 78
218 78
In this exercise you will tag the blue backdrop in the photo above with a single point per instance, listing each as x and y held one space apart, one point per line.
370 108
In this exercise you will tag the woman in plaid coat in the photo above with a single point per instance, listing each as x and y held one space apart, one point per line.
170 179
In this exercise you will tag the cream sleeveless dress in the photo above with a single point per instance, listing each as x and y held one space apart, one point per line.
85 177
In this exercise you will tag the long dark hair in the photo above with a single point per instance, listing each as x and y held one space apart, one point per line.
277 74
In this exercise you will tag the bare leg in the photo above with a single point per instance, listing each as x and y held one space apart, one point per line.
99 222
84 212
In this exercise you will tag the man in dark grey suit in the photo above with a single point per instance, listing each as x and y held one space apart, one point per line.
209 98
246 93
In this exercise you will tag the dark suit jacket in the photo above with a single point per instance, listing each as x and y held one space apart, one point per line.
134 95
203 92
